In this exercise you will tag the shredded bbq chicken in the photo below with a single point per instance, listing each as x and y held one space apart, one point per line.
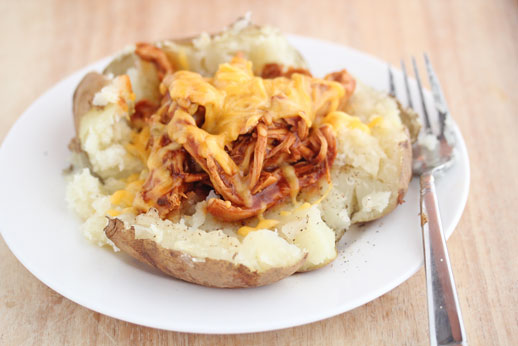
254 154
156 56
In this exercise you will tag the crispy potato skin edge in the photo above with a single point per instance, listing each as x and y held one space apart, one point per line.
84 94
211 272
404 177
406 168
410 120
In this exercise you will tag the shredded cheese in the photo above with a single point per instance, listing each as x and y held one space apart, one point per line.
289 174
337 119
138 144
375 121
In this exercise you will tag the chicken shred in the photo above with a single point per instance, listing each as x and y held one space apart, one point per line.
156 56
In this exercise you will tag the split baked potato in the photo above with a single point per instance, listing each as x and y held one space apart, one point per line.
211 238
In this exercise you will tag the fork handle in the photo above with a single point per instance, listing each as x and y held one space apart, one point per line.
444 316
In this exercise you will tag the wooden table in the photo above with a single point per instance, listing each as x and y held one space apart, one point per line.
474 46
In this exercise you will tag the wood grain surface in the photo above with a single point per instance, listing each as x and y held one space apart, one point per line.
474 47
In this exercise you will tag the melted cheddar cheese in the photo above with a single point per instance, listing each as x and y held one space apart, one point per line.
138 144
123 200
235 100
262 224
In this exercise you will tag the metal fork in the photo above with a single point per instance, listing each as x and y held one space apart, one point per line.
432 154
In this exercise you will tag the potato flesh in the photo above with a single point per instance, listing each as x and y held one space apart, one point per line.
261 45
86 195
104 131
103 134
306 230
259 251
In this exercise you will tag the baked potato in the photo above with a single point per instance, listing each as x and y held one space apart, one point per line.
219 238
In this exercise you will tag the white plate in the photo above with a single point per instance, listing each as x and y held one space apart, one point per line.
45 236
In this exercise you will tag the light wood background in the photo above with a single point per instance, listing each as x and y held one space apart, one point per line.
474 47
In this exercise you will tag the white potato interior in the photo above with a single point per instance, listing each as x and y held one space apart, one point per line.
261 45
306 229
104 131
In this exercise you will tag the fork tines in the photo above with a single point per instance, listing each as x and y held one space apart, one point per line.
438 97
407 87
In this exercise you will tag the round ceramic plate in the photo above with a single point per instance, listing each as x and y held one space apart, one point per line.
45 236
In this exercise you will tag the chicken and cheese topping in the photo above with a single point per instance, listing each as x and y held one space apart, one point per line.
255 141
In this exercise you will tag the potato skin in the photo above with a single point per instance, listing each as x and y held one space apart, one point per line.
211 273
410 120
406 168
84 94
